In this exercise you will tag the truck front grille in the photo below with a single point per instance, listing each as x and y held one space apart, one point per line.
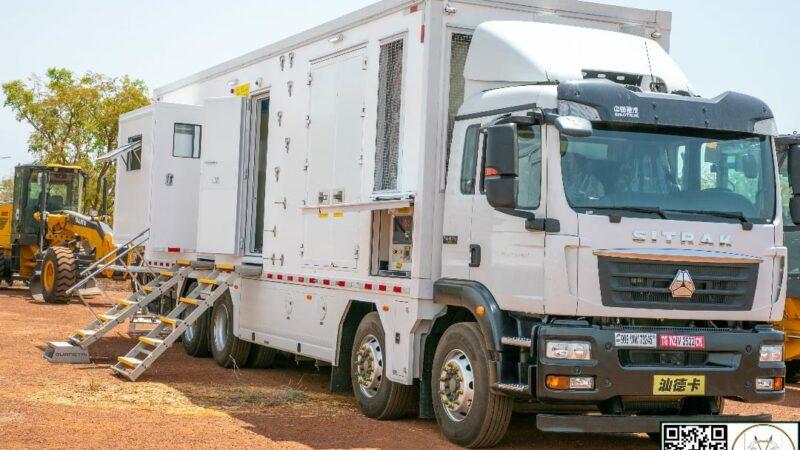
631 283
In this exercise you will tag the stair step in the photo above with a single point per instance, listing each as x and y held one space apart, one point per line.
512 387
207 281
127 303
183 263
167 274
190 301
515 341
85 333
107 317
147 288
130 362
225 267
150 341
169 321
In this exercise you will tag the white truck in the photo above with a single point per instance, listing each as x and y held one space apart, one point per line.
511 205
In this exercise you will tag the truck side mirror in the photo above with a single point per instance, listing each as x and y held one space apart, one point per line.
794 181
574 126
501 171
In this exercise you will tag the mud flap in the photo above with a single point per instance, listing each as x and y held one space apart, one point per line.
66 353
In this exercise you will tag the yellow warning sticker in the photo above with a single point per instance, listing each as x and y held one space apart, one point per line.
323 215
242 90
338 215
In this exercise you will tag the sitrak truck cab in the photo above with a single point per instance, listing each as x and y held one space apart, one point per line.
513 206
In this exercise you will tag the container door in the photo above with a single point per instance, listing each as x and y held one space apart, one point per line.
218 225
175 170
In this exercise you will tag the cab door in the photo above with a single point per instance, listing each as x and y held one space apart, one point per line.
505 257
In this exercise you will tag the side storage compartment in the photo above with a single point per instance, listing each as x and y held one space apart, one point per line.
335 159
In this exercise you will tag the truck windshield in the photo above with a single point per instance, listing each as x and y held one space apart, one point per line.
703 175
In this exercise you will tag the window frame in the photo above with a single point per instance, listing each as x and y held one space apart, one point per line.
197 135
482 167
466 176
137 153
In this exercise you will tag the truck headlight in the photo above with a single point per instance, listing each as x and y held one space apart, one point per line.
771 353
569 350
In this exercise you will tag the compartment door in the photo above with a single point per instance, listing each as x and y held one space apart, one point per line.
335 146
218 213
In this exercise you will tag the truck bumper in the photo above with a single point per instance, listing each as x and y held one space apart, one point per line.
728 363
559 423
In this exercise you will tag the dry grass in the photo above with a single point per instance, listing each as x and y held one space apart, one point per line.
190 399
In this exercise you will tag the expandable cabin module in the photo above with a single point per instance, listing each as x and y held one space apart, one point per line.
517 204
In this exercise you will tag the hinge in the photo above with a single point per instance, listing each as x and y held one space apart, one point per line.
302 249
277 173
290 85
308 121
305 165
310 78
356 252
280 118
283 62
291 60
363 110
365 63
288 143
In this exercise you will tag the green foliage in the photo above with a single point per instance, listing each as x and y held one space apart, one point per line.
75 120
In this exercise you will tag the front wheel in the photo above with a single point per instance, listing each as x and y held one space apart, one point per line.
59 273
468 413
377 396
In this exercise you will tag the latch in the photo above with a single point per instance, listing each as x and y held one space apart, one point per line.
282 203
275 258
338 196
280 118
283 62
365 63
288 144
169 179
291 60
274 231
277 173
290 85
322 198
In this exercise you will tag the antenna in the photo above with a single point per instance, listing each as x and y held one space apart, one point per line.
649 65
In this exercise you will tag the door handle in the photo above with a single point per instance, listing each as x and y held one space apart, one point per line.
474 255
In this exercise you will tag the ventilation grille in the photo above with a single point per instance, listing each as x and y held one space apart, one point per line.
459 47
387 146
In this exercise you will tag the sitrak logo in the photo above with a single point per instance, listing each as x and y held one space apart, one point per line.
682 285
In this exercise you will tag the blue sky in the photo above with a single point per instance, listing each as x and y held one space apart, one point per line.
743 45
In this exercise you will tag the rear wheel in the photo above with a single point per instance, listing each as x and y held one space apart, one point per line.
261 357
377 396
228 350
59 273
468 413
195 338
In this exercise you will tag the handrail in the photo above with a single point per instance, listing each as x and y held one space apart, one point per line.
129 249
129 242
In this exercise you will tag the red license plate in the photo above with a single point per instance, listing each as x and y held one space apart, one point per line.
681 341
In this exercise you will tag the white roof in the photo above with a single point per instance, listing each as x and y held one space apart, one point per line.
532 52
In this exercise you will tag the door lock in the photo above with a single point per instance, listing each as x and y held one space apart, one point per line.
474 255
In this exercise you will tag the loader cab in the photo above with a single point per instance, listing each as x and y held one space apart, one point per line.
58 188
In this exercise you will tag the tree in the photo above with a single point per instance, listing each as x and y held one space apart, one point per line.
75 120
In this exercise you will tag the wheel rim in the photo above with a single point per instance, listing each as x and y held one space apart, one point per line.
221 327
49 275
189 333
457 385
369 366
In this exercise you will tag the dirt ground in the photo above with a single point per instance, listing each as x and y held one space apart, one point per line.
184 402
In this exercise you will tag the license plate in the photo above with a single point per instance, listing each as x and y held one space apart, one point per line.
679 385
640 340
681 341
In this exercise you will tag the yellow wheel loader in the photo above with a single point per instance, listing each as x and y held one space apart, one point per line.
44 241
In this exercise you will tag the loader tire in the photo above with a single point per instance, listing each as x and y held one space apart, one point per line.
59 273
460 372
261 357
228 350
195 338
377 396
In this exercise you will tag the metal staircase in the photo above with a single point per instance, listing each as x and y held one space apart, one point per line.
187 310
164 283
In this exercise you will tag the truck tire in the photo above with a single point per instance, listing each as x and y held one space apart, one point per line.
228 350
59 273
261 357
195 338
377 396
461 371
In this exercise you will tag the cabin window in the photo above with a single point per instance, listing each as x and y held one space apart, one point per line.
529 141
470 161
186 141
459 47
133 159
387 146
